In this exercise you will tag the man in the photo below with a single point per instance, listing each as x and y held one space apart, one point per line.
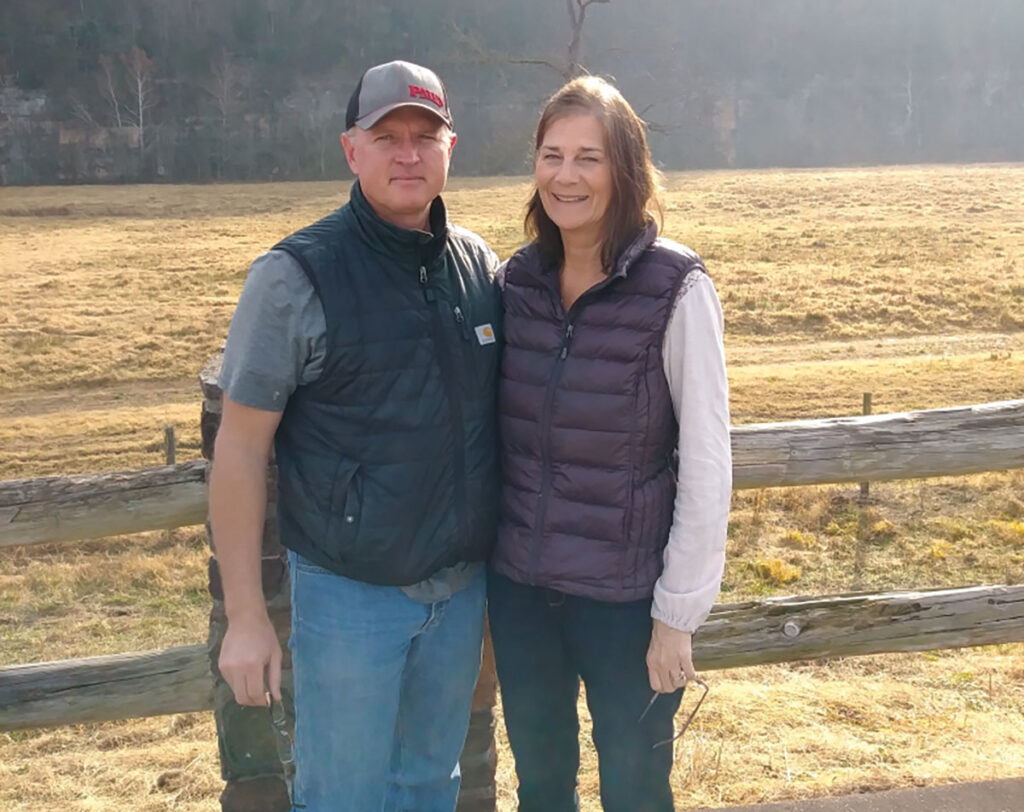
365 347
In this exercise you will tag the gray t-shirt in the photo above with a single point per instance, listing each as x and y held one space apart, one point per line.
278 341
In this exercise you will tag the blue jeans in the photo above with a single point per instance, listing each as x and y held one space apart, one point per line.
383 690
544 643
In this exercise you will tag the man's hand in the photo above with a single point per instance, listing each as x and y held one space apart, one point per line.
250 656
250 659
669 659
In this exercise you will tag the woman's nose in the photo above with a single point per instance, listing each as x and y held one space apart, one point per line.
566 172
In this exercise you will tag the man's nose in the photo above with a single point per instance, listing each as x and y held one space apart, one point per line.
408 151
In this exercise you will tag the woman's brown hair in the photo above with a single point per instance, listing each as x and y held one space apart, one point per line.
634 177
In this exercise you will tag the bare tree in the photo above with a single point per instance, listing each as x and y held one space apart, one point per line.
226 85
109 87
139 68
571 67
321 109
577 14
908 86
80 111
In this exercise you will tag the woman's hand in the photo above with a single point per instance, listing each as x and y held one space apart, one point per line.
669 659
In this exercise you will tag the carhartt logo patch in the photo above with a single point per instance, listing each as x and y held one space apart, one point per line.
484 334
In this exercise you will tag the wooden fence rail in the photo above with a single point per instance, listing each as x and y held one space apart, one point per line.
100 689
83 506
876 448
936 442
771 631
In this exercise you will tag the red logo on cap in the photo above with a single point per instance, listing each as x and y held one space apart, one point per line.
422 93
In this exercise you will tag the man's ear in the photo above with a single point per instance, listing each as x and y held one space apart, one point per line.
348 143
451 144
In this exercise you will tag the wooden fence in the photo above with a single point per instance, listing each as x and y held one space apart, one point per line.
937 442
177 680
962 440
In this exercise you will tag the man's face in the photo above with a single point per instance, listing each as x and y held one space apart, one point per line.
402 163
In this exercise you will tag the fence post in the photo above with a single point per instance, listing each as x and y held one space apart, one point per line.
170 445
865 487
249 762
248 752
479 757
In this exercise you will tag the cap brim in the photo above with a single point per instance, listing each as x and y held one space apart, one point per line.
370 119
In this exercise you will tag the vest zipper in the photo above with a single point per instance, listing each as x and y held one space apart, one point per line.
451 386
460 320
566 340
545 451
468 368
545 420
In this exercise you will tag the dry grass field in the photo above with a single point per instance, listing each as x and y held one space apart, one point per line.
905 282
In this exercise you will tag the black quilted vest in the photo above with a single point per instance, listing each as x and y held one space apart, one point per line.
387 464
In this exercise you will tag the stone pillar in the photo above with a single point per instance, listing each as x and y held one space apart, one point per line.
479 757
248 751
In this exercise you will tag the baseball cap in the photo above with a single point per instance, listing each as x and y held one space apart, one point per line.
386 87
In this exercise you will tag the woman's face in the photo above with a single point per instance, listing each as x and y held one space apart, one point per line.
573 175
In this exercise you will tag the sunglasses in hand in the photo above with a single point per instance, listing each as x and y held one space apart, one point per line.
689 718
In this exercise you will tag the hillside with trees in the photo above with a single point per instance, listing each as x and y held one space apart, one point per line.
183 90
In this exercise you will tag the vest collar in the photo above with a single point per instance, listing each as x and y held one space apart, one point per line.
630 254
408 246
644 240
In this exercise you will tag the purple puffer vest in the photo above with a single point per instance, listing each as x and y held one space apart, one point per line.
588 433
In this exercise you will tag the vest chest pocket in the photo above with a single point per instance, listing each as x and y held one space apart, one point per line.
479 345
345 510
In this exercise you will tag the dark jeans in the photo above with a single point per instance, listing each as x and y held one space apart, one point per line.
544 642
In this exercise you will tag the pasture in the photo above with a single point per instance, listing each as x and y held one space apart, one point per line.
906 282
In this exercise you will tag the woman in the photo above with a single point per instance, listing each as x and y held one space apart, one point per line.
609 554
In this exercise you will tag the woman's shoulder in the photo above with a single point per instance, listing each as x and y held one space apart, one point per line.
670 252
525 253
524 260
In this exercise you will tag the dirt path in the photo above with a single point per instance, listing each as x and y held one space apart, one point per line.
863 349
139 394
